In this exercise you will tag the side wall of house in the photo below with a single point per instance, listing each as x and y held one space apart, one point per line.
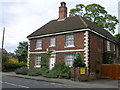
98 46
96 51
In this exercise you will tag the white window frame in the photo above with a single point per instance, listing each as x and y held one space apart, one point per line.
37 61
38 44
69 40
108 45
69 58
52 41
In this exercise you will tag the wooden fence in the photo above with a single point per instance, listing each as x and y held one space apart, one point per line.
111 71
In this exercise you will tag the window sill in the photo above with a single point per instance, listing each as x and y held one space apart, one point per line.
38 48
37 66
71 46
52 46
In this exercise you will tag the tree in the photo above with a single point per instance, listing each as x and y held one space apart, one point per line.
78 61
22 51
117 36
97 14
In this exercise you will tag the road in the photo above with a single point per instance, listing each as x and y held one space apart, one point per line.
15 82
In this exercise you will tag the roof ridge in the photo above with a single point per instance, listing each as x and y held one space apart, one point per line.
83 21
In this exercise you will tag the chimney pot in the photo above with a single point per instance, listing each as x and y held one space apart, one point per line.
62 11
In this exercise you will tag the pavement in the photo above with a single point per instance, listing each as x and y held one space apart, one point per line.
102 83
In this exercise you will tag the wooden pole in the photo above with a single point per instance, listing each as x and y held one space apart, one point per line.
2 43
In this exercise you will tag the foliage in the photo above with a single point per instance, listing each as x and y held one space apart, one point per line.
22 71
59 71
11 65
43 61
33 72
26 71
22 51
108 57
5 58
117 36
11 61
96 13
30 64
78 61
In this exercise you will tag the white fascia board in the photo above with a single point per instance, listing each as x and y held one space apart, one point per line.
60 51
58 33
87 29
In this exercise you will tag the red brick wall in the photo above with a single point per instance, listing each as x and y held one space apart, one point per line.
96 51
60 57
60 42
59 45
98 45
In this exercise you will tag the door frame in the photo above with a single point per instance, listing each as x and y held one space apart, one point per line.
53 55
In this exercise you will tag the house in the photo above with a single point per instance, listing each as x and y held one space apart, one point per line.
67 35
10 55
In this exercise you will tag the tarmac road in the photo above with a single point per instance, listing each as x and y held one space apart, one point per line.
16 82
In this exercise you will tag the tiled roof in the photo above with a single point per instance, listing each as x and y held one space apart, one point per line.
70 24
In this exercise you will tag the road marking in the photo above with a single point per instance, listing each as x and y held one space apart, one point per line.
14 84
58 84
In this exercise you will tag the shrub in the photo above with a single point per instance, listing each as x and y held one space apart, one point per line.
51 74
11 65
33 72
12 61
23 71
108 57
78 61
59 71
26 71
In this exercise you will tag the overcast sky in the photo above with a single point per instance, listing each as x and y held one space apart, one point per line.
22 17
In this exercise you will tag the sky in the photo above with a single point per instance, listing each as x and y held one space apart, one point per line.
22 17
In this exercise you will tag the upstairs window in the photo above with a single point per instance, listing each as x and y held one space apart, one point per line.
39 44
52 41
108 46
69 40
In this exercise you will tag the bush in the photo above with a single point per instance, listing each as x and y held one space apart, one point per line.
108 57
26 71
50 74
11 65
33 72
23 71
59 71
78 61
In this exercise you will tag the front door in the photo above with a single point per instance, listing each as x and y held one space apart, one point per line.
52 62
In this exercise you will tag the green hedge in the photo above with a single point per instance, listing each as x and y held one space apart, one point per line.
26 71
59 71
22 71
6 67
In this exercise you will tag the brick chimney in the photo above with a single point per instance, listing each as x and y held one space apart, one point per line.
62 11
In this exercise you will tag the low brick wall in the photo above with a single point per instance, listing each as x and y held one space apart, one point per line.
76 76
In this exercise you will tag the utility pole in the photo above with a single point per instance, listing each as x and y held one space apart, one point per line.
2 47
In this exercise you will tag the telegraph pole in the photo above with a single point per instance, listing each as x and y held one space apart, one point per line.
2 45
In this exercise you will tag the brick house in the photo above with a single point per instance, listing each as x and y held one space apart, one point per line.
67 35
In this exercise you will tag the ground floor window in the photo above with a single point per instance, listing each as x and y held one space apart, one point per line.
37 61
69 60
